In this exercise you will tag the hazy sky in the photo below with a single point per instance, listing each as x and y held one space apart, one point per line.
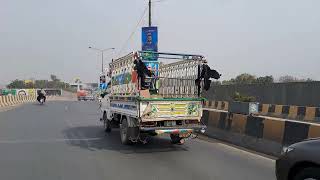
262 37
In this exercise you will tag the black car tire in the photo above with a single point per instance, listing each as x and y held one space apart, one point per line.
308 173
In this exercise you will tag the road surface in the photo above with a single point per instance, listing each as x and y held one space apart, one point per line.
65 141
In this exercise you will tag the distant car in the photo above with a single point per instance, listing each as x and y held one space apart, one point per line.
85 95
300 161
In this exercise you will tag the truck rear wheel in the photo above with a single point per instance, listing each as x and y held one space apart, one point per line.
124 132
106 122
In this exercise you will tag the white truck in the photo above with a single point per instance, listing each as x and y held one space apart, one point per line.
164 99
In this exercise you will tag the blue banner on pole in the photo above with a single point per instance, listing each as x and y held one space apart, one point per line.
149 39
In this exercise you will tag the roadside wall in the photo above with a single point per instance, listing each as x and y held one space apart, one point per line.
301 113
263 134
296 93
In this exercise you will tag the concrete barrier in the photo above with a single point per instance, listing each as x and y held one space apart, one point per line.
220 105
5 100
2 101
13 100
302 113
29 98
18 99
263 134
26 98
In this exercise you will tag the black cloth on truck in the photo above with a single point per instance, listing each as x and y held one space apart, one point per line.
206 74
142 71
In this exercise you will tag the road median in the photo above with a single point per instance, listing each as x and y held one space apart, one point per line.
259 133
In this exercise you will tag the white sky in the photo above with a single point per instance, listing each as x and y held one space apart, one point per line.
269 37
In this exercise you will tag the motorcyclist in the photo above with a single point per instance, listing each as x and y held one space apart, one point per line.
41 94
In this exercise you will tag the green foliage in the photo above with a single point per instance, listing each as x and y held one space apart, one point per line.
246 78
41 83
16 84
238 97
287 78
54 83
217 82
265 80
54 78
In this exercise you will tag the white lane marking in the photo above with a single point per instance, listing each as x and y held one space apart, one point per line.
47 140
230 147
245 152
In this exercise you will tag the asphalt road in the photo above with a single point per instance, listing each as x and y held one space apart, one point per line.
65 141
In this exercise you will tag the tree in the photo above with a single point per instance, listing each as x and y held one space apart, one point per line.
228 82
54 78
265 80
217 82
41 83
54 83
245 78
287 78
16 84
309 80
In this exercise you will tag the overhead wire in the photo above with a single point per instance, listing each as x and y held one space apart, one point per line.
134 30
136 27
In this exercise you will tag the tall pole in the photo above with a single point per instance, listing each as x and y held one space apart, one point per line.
102 51
102 62
149 13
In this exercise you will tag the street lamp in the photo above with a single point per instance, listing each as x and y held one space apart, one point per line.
102 51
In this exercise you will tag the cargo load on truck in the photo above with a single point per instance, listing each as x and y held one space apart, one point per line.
148 98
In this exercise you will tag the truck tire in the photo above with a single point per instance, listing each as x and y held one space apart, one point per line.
176 139
308 173
124 132
106 123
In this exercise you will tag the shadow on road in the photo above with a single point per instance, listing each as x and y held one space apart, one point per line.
94 138
38 104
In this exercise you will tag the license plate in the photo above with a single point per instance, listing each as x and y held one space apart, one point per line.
170 123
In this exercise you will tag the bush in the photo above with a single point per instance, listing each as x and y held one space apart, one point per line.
238 97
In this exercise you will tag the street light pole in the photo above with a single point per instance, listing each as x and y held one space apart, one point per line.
102 53
102 61
149 13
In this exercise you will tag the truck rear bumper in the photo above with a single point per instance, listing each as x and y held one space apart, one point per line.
174 130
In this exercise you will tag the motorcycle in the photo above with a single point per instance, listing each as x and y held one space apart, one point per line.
41 100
